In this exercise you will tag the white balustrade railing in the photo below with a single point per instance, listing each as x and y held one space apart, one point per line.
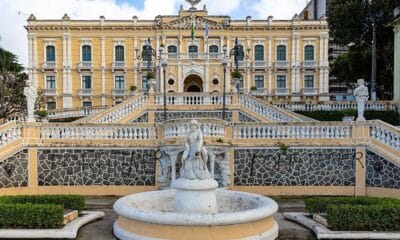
193 99
386 134
75 112
270 112
124 109
180 129
100 132
9 132
291 131
335 105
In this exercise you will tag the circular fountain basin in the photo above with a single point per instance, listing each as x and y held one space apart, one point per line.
152 215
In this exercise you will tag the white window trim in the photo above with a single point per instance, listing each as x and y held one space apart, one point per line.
116 44
85 75
286 50
50 75
304 79
119 75
49 42
83 43
257 75
276 80
309 43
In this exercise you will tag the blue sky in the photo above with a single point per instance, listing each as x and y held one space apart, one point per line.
15 13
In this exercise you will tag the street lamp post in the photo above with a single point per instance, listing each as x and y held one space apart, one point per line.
373 71
164 63
147 53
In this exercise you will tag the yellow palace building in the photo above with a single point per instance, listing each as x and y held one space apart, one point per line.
81 63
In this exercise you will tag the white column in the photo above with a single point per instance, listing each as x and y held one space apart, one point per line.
67 86
397 62
34 62
135 63
270 62
321 63
103 70
298 60
65 68
30 59
294 63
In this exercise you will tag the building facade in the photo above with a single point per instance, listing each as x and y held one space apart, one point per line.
82 63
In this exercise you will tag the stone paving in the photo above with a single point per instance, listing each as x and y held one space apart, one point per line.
102 229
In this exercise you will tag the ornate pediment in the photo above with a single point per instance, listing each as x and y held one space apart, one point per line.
199 22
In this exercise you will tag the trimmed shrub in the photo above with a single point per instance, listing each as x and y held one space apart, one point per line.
73 202
380 217
357 213
320 204
31 215
391 117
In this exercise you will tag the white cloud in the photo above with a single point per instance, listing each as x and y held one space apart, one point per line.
13 35
280 9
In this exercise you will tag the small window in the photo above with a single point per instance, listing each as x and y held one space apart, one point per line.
193 49
171 81
309 53
215 81
281 81
50 54
50 82
213 49
259 53
119 82
51 105
119 53
145 85
172 51
259 82
281 53
87 104
86 82
309 81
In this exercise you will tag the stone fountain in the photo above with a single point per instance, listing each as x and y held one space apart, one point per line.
195 208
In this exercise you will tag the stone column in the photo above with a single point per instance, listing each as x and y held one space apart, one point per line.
67 78
103 70
360 165
135 63
294 65
397 62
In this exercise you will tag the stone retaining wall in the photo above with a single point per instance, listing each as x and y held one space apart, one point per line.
14 170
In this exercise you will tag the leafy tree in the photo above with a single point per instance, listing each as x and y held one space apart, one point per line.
350 21
12 83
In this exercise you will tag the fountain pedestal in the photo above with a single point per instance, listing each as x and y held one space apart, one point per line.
195 196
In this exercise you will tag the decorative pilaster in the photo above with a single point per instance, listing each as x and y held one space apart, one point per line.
103 70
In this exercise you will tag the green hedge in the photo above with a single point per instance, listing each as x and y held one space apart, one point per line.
73 202
380 217
357 213
31 215
391 117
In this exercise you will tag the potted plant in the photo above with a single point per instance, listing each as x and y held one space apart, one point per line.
133 89
150 75
42 115
236 74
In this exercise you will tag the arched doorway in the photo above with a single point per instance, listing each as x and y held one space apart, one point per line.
193 83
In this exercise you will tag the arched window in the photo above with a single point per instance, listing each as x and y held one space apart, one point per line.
172 51
50 54
119 53
213 51
281 53
193 51
86 53
309 53
259 53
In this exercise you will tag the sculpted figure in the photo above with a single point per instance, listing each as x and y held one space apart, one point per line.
361 93
195 156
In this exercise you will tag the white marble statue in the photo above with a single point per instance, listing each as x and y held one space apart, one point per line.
195 156
31 95
152 85
361 94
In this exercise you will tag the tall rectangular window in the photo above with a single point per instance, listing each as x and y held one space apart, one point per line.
119 53
309 81
50 82
119 82
259 53
309 53
86 82
50 54
281 81
86 53
259 82
281 53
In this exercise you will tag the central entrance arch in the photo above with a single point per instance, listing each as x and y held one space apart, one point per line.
193 83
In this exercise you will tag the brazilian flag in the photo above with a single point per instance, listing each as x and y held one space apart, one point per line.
192 33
